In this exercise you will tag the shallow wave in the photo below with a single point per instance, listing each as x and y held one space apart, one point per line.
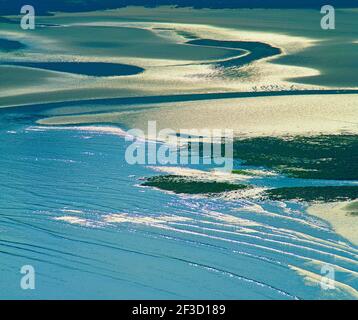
79 222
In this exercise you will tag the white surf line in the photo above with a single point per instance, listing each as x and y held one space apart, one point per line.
204 244
163 222
111 130
335 256
206 175
316 279
318 262
276 234
276 215
340 246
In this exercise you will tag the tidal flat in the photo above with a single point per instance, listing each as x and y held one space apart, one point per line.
95 226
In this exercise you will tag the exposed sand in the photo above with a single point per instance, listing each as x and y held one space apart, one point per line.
257 116
343 216
162 75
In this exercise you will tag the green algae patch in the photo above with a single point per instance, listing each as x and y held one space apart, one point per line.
333 157
321 194
180 184
243 172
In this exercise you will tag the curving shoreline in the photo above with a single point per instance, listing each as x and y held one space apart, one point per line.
255 51
132 100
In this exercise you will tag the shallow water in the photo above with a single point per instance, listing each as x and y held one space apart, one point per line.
254 51
98 69
10 45
59 208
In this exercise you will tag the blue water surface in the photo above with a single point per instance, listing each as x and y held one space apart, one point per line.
202 253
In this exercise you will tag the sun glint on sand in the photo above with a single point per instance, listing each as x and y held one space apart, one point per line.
259 116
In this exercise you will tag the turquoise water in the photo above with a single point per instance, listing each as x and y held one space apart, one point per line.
255 51
47 173
10 45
